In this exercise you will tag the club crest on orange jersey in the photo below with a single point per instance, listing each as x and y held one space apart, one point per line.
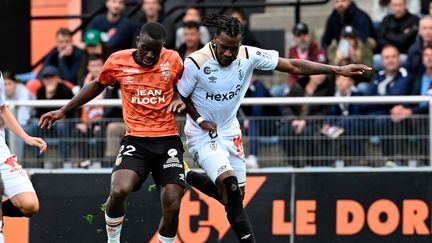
164 66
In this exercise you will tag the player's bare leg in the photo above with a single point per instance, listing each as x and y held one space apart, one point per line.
171 195
122 184
24 204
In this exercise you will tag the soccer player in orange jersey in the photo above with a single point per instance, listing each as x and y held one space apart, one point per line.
147 76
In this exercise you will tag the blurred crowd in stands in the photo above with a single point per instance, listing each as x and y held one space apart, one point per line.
396 40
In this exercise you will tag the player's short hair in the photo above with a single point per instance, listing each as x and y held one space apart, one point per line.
390 46
227 24
8 74
427 47
191 25
154 30
64 32
94 57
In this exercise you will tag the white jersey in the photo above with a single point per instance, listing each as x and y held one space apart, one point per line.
4 150
216 91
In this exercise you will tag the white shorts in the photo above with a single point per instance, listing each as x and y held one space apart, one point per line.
15 179
218 155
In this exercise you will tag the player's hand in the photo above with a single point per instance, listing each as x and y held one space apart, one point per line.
177 105
37 142
353 69
48 119
209 126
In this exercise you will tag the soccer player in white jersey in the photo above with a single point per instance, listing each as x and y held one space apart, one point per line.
214 82
22 201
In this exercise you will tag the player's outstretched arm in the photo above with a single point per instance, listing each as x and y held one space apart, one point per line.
305 67
87 93
13 125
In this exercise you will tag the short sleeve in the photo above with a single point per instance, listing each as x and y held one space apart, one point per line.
263 59
107 75
178 66
2 90
188 80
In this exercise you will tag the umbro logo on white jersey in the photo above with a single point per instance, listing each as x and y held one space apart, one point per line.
212 79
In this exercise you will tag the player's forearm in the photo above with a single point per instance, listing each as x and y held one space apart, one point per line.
190 108
305 67
87 93
12 123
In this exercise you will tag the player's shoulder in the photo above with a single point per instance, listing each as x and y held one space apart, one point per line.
122 56
202 56
244 52
170 54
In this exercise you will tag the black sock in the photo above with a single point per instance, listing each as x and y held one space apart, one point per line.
236 214
242 227
203 183
10 210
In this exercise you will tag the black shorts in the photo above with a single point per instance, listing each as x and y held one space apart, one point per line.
162 156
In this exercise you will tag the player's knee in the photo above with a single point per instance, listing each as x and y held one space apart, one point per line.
30 208
119 192
171 204
234 206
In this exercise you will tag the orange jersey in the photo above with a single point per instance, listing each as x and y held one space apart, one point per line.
146 91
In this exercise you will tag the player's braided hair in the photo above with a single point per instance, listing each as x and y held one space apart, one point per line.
227 24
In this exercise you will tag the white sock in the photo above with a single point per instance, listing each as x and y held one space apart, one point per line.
163 239
113 228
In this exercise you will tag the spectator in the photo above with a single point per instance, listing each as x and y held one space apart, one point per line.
296 130
393 80
380 9
404 116
248 37
116 30
414 65
423 86
192 39
15 90
399 28
90 125
341 122
304 48
255 120
151 11
65 56
192 14
346 13
93 46
53 89
350 49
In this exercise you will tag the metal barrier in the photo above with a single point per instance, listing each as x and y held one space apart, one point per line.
346 141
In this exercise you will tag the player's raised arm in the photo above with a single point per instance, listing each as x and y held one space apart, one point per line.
305 67
87 93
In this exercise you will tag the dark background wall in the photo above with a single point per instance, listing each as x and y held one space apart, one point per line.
70 208
15 35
